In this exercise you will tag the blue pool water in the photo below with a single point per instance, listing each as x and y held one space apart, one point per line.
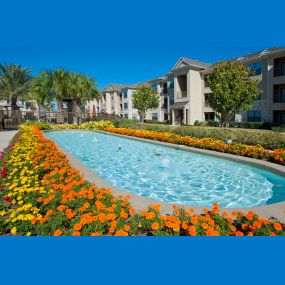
172 175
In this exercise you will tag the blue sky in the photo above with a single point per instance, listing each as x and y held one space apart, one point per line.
133 41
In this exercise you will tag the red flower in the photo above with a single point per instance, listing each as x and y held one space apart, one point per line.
7 200
4 172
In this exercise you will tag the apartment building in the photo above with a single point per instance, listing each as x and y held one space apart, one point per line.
269 68
184 93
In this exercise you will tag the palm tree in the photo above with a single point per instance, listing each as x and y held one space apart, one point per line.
42 90
81 89
60 79
14 83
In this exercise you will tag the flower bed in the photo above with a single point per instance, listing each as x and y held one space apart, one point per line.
276 156
41 194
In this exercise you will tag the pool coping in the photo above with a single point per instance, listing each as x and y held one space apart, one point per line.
276 210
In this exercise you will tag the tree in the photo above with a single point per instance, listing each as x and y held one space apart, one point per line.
14 83
233 89
145 98
41 90
81 88
60 80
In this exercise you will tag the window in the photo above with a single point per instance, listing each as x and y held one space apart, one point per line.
154 116
154 86
283 68
134 116
165 117
206 81
206 100
259 97
255 67
126 116
125 105
125 93
279 94
164 88
254 116
165 103
171 102
171 82
209 116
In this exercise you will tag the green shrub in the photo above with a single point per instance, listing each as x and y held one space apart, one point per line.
96 125
267 139
41 125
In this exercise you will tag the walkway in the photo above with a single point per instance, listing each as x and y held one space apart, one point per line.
5 138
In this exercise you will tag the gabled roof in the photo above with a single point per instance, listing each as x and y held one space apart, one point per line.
114 87
185 61
258 54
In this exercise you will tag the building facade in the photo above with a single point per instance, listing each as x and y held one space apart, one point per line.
184 93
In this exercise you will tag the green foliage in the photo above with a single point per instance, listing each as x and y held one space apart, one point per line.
96 125
42 89
41 125
14 83
267 139
144 99
233 89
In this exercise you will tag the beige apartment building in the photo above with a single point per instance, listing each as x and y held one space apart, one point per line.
184 94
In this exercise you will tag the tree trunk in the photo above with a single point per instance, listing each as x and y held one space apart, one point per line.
77 111
59 118
142 115
14 103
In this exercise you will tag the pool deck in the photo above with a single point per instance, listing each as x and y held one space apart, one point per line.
5 138
276 210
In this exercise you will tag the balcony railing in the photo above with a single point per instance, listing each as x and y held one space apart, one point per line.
181 94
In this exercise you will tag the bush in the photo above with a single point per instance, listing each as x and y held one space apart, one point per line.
41 125
96 125
269 140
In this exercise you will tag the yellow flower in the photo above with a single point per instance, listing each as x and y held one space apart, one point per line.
28 234
13 230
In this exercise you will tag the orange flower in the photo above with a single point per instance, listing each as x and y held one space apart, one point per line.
40 199
60 208
76 234
127 228
250 234
49 212
194 220
238 233
34 220
155 226
95 234
123 214
244 226
155 207
233 228
77 227
204 226
192 231
57 233
272 234
277 227
121 233
184 225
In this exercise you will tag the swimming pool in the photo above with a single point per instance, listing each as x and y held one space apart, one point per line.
172 175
